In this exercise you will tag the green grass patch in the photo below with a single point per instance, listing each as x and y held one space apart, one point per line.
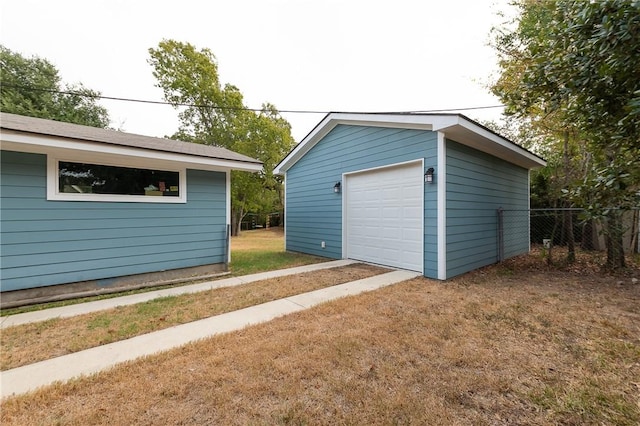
254 261
585 402
102 321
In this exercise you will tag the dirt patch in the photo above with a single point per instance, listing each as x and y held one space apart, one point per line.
29 343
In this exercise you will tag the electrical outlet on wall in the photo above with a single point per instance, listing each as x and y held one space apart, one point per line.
322 244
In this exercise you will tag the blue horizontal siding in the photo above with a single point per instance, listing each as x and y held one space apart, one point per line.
13 264
477 185
31 247
55 242
314 211
104 273
54 236
115 215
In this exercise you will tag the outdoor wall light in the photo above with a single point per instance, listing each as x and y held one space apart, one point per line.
336 188
428 175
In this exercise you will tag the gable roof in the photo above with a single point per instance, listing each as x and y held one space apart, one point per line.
40 135
455 127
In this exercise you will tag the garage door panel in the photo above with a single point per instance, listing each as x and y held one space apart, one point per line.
391 212
394 244
371 234
389 233
384 216
412 224
412 257
409 213
388 256
408 235
391 195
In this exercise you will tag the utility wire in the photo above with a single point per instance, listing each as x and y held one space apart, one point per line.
113 98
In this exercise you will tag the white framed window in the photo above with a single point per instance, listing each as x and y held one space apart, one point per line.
86 180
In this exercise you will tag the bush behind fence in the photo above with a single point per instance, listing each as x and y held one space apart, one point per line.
552 226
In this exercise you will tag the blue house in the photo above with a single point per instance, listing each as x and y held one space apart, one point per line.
412 191
84 208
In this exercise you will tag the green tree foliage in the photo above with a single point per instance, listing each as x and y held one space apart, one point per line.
546 182
32 87
573 67
216 115
564 168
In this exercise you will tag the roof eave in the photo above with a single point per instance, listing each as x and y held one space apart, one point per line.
470 133
16 140
454 126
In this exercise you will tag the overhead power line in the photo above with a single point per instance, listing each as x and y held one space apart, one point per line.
290 111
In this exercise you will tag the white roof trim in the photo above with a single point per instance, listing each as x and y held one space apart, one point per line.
24 142
455 127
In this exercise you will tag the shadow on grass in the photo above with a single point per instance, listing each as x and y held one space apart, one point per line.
254 261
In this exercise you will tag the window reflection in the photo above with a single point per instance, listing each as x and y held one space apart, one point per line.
84 178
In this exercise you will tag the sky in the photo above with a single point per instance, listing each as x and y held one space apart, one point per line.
300 55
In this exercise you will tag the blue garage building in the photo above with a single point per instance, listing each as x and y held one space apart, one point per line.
411 191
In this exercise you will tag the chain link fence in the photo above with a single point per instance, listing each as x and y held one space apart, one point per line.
553 228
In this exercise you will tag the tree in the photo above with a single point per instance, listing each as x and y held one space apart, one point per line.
213 114
578 63
32 87
268 138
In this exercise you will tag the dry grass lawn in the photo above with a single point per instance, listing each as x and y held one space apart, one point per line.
29 343
271 240
509 344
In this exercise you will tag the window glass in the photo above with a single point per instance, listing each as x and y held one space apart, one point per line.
84 178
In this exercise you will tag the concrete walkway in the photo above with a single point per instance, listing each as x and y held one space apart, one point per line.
30 377
114 302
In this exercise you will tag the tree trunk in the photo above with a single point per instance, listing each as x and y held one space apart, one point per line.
613 239
635 222
236 221
568 216
587 236
568 231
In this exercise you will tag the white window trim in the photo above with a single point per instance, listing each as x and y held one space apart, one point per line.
54 194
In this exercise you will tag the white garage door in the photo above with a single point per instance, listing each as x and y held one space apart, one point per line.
384 211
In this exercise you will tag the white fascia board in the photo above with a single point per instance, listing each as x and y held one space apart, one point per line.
70 148
304 146
404 121
454 126
526 157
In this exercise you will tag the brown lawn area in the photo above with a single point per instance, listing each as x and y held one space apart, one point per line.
516 343
29 343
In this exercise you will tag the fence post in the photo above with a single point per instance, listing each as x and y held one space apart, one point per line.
500 234
638 235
